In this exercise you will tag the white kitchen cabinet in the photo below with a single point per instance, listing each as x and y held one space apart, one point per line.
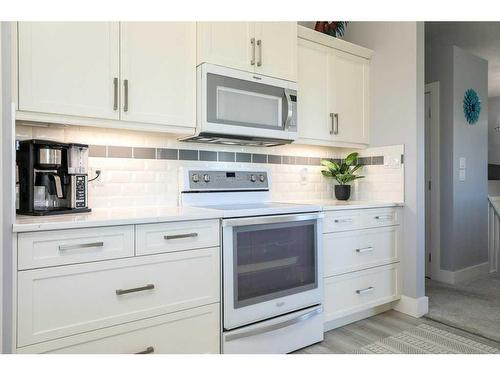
334 88
60 301
268 48
158 72
69 68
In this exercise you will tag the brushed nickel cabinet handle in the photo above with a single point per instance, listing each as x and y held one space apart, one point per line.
125 98
259 44
115 94
366 290
179 236
335 123
120 292
364 250
383 217
252 43
80 246
148 350
332 125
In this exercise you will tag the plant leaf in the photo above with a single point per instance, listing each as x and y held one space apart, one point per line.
351 158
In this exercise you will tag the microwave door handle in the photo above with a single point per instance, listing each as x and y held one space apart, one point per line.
288 98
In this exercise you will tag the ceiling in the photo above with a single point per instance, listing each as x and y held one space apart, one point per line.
479 38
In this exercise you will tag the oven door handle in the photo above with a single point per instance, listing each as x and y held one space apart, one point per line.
289 111
271 219
274 327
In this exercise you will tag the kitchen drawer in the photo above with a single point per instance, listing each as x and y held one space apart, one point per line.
336 221
61 301
356 250
194 331
167 237
353 292
58 247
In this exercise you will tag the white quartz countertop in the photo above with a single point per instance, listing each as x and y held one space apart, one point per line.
147 215
113 216
335 205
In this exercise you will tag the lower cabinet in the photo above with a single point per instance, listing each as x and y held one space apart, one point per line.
192 331
356 291
67 300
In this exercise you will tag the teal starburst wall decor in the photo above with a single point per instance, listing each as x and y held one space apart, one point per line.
472 106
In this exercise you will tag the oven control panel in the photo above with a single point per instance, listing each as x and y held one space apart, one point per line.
228 180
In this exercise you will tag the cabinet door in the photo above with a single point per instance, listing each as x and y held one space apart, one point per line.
276 49
348 96
312 91
158 62
69 68
226 43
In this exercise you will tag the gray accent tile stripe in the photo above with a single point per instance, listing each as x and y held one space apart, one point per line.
226 156
188 154
119 152
208 155
259 158
97 151
144 153
223 156
167 153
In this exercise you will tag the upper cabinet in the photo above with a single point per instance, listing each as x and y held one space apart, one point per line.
158 72
139 73
69 68
333 91
268 48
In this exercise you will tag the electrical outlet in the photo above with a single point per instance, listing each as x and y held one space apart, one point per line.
99 180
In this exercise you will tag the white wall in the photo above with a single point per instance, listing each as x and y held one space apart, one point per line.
493 135
396 116
463 203
1 208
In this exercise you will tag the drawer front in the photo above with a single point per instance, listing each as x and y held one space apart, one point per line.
61 301
380 217
167 237
356 250
193 331
336 221
353 292
54 248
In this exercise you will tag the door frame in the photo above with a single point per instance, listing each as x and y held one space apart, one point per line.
435 214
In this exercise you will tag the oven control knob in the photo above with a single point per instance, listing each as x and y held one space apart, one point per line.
206 178
195 177
253 178
262 178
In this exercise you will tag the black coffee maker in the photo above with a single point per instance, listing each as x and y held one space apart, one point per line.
52 177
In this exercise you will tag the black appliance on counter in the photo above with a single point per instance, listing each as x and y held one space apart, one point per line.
52 177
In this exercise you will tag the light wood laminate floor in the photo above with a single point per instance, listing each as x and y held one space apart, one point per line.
347 339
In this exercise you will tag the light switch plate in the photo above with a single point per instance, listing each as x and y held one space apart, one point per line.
462 163
461 175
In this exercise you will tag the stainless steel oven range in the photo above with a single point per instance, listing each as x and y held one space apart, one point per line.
272 275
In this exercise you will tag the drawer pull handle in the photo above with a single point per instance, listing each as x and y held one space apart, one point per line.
384 217
80 246
149 350
342 220
120 292
179 236
364 250
366 290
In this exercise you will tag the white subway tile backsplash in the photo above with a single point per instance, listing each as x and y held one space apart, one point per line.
127 182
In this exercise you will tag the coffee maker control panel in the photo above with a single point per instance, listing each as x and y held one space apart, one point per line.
79 193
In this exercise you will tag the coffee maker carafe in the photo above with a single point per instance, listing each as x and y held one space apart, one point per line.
52 177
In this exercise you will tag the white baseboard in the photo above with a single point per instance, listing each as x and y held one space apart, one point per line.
415 307
339 322
465 274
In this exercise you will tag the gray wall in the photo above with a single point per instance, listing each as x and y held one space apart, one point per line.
396 117
463 203
493 135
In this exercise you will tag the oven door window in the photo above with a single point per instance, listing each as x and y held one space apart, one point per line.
238 102
273 260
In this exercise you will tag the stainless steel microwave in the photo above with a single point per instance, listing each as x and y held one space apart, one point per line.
237 107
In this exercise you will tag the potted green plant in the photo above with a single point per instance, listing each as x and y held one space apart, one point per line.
343 173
